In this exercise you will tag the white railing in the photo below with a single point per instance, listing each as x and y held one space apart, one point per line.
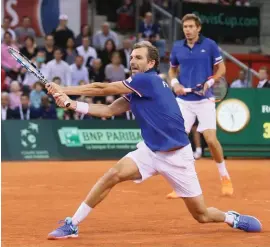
165 20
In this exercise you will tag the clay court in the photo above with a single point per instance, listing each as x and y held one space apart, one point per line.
35 195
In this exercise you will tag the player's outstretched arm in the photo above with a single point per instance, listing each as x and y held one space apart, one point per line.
118 107
93 89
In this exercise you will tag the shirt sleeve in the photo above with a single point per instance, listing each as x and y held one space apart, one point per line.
173 58
216 55
127 97
139 84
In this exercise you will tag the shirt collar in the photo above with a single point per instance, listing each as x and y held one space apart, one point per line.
151 71
199 41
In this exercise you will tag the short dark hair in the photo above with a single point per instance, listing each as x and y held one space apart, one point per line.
58 49
193 17
25 95
26 17
7 18
56 78
46 37
265 69
153 53
7 33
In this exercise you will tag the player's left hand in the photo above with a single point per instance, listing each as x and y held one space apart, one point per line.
205 88
60 99
209 83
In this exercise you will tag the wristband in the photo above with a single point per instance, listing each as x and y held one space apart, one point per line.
82 107
210 82
174 81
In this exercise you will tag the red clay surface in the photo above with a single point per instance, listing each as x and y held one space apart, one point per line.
35 195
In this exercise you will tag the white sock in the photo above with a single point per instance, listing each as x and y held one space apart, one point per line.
229 219
222 169
81 213
199 150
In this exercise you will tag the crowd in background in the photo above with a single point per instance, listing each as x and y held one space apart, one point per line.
64 59
67 60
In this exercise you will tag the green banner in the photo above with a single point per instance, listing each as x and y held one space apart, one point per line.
226 23
68 140
243 130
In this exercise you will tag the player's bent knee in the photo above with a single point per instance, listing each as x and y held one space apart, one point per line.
112 176
211 141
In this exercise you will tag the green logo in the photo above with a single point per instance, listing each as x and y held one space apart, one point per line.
74 137
28 136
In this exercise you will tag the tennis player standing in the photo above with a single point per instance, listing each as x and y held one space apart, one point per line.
198 60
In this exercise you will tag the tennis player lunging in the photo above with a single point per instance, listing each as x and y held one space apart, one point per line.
197 58
165 150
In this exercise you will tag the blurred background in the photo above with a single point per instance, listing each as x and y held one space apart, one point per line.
76 42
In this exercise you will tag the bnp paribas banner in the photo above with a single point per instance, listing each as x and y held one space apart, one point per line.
68 140
226 22
99 139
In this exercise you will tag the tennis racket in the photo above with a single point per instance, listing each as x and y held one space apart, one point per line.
29 66
216 93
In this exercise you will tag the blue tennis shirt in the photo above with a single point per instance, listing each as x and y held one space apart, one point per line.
196 63
156 111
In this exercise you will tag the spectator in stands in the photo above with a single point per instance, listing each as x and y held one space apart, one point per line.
29 78
25 30
36 94
6 112
125 18
264 78
242 3
8 63
14 95
47 110
62 33
115 71
125 54
85 32
86 51
106 54
71 51
103 35
4 86
24 111
150 31
127 8
58 67
6 28
78 71
29 49
202 1
49 48
57 80
96 72
241 82
226 2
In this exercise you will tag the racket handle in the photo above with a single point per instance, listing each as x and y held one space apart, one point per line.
67 103
187 90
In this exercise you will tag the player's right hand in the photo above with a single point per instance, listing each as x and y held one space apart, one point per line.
53 88
179 89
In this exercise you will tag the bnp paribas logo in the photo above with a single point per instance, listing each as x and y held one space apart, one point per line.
75 137
29 136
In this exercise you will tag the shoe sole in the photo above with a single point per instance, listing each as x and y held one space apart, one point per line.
64 237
